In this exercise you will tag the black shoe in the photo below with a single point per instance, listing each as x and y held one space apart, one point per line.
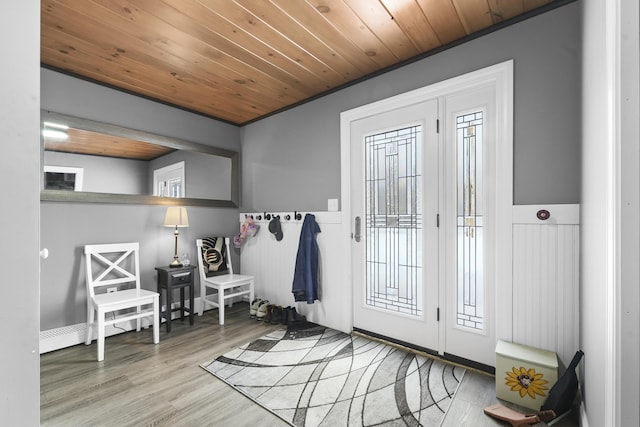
285 315
276 314
294 317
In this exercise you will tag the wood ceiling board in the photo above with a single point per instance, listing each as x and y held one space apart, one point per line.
351 26
505 9
475 15
338 70
409 17
202 38
314 22
443 19
134 79
377 19
334 68
252 35
264 99
98 144
205 50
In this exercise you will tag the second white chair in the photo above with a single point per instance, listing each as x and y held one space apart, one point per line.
216 273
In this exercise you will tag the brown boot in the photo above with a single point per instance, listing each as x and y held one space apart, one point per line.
517 419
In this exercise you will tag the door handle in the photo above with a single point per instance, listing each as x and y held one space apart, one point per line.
356 236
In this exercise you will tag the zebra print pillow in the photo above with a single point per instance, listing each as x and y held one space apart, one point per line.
214 255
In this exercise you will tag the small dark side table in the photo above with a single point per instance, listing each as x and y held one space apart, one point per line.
169 279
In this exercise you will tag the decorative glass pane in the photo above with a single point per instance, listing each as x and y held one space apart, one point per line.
393 225
470 301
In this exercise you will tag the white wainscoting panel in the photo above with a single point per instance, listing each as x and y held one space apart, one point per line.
273 262
545 278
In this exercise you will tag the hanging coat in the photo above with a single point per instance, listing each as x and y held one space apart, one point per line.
305 277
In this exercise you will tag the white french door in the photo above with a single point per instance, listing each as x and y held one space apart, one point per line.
427 185
394 178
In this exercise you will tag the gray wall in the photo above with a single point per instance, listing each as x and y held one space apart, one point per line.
206 176
105 174
66 227
19 124
291 161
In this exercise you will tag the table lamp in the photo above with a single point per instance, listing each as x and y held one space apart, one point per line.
176 217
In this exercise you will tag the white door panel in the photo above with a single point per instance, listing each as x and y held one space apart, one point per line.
394 177
468 219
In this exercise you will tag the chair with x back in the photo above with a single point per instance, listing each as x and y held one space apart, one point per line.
216 273
113 290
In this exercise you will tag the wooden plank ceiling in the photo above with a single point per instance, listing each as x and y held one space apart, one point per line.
241 60
80 141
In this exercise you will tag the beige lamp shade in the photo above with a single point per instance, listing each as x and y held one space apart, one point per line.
176 217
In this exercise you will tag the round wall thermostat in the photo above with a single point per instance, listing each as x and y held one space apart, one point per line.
543 214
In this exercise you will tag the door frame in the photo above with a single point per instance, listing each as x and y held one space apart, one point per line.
502 76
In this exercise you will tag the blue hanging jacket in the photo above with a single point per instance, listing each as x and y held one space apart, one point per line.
305 277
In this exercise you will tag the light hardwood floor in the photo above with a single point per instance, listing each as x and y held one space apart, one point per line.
142 384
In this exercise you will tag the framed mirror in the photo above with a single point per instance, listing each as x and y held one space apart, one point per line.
88 161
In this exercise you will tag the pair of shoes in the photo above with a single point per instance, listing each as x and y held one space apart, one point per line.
253 307
516 419
263 310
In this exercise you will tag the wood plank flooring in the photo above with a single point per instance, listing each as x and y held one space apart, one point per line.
142 384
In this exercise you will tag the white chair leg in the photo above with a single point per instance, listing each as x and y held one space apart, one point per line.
138 320
251 292
203 294
156 319
221 306
90 323
101 334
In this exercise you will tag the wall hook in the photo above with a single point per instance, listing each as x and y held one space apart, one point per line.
297 215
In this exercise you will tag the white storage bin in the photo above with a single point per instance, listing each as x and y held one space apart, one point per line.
524 375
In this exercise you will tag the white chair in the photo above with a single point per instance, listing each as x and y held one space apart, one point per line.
113 288
216 272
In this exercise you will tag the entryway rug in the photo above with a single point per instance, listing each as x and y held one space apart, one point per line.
317 376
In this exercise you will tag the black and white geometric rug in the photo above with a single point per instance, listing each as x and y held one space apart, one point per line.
317 376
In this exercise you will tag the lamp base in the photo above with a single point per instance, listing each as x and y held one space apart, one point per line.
175 263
